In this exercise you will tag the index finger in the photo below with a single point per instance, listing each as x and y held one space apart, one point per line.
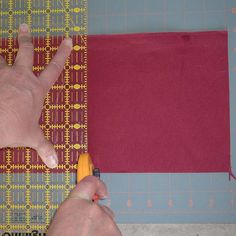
51 73
88 187
25 55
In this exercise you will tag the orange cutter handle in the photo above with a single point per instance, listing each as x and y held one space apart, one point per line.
85 168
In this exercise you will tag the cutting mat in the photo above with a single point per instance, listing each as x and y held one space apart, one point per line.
136 198
171 198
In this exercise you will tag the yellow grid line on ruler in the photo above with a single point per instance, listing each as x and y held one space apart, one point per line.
47 119
8 189
67 103
27 192
29 16
27 158
9 156
85 76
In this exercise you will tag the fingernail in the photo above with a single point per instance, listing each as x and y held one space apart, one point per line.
24 28
68 42
103 197
52 161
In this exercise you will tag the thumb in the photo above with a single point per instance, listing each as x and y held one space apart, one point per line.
45 149
89 186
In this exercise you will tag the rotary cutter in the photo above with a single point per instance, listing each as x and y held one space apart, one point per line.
86 168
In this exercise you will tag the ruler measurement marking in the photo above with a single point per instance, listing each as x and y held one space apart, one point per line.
33 17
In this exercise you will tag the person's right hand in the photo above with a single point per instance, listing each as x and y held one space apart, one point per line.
78 215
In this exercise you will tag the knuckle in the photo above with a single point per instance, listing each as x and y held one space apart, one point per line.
56 65
27 45
20 73
26 40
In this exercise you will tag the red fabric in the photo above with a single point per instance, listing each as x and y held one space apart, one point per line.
159 102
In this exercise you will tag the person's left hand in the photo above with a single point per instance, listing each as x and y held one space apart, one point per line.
22 96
